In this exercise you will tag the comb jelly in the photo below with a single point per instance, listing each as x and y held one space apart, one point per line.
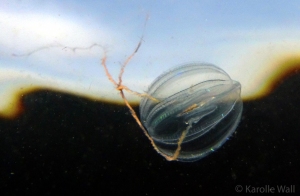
199 106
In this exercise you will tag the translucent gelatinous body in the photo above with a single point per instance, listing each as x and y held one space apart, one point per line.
198 99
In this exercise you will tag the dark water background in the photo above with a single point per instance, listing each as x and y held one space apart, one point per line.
67 144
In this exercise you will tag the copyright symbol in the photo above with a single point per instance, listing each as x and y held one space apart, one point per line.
238 188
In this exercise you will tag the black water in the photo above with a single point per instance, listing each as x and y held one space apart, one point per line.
66 144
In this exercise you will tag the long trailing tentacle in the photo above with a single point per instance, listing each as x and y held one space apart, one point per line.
135 51
121 87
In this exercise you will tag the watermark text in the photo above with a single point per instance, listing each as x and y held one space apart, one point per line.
265 189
